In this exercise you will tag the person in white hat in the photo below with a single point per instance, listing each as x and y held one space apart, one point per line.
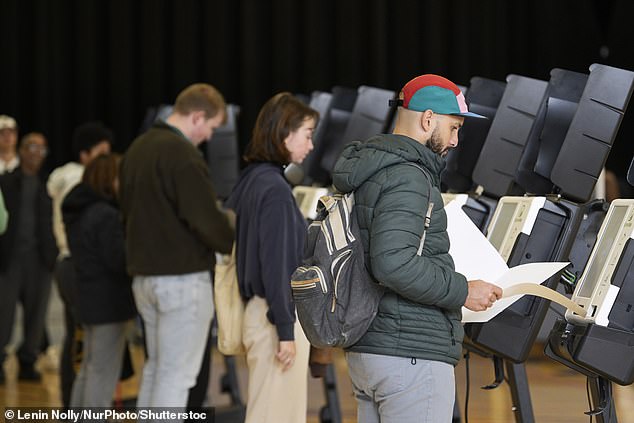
9 159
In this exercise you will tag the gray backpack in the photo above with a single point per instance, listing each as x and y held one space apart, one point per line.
335 295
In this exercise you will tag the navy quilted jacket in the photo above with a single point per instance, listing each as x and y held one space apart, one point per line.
420 314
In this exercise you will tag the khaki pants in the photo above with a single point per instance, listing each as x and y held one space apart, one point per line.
273 396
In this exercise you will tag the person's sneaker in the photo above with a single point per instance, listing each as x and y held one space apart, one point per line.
28 373
49 360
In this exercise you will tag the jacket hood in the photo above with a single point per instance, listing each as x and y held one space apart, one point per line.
77 201
360 160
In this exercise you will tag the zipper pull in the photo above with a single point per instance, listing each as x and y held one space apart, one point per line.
427 223
334 302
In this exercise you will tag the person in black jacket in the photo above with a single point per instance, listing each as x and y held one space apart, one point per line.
105 305
27 254
270 233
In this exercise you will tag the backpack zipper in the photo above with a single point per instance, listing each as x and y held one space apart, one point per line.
334 297
427 222
322 282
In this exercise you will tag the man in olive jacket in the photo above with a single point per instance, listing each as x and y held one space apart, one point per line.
402 369
173 228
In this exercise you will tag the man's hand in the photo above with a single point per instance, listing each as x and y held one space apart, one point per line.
481 295
286 354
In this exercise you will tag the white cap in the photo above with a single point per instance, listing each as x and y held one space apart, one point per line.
7 122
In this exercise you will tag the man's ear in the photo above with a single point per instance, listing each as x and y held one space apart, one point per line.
426 120
197 116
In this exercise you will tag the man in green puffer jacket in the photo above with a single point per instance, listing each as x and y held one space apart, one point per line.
402 369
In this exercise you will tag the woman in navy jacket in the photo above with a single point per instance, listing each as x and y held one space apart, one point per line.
105 304
270 234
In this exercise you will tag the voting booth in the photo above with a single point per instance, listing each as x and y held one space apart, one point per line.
600 345
602 342
530 150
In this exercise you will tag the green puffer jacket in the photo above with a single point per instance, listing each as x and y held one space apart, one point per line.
420 314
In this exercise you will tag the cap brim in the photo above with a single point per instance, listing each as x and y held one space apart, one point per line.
470 114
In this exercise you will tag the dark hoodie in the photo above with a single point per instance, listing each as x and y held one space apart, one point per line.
419 316
95 238
270 233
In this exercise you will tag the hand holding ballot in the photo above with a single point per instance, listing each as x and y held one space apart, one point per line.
482 295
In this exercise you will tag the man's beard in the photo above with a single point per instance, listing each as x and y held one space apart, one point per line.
436 144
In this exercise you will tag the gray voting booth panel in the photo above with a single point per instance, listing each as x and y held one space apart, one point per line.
341 105
369 117
592 131
322 103
223 154
564 92
507 137
483 97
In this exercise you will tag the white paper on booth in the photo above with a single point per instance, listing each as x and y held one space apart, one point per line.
534 273
473 255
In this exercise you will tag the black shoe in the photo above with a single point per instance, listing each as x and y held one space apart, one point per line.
28 373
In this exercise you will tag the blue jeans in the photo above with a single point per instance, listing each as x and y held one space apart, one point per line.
401 390
176 312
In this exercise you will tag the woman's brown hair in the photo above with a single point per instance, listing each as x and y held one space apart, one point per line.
101 174
281 114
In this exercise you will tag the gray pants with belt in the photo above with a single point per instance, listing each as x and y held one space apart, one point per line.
401 390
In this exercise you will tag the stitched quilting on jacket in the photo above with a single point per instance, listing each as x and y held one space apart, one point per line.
420 314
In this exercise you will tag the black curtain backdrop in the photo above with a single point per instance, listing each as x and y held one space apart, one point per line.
67 61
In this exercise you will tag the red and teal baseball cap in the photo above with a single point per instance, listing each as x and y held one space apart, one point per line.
435 93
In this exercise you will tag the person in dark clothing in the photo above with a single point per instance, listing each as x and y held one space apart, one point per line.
90 140
270 233
105 305
173 228
27 254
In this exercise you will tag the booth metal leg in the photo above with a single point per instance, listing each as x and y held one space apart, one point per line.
602 400
229 381
331 412
520 394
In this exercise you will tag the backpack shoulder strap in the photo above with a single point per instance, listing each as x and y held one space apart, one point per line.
422 169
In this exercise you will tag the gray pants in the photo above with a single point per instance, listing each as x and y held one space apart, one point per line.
401 390
101 365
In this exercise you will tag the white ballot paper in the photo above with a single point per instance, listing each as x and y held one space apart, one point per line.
476 258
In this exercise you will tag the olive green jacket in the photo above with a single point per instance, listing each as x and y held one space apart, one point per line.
420 314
